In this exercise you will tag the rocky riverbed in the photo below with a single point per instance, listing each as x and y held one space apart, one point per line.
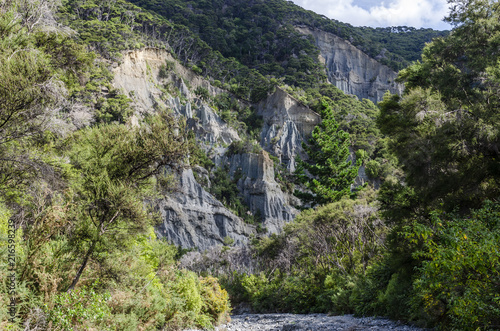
310 322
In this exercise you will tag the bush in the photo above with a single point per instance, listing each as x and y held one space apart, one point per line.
361 155
459 281
202 93
82 308
372 169
215 300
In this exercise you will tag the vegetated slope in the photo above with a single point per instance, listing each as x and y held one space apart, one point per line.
77 245
431 255
258 33
111 28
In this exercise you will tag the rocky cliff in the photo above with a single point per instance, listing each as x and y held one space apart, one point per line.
286 124
351 70
192 217
261 192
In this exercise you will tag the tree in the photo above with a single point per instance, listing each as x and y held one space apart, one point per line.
444 129
328 174
116 165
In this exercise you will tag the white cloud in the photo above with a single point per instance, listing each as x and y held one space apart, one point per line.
416 13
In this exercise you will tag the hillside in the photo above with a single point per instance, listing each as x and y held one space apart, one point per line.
161 161
251 31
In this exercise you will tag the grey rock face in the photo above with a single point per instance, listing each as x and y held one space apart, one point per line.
261 192
194 218
286 124
351 70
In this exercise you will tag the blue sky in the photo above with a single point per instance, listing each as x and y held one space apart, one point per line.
377 13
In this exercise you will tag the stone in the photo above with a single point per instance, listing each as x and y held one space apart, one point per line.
350 69
194 218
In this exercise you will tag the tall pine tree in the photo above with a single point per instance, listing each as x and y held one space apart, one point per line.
328 173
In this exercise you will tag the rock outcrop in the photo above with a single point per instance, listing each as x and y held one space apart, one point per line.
351 70
194 218
286 124
255 173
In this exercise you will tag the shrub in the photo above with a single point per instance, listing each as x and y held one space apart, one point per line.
459 281
82 308
361 155
372 169
202 93
215 300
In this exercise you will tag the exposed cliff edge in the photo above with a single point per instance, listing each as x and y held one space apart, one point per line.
255 173
351 70
286 124
193 217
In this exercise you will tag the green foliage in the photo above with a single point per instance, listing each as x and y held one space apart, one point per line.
444 129
202 93
76 199
261 34
115 107
116 165
372 169
315 264
243 147
459 278
83 308
34 67
254 35
215 300
110 27
329 166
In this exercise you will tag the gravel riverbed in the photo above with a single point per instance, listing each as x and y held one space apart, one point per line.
310 322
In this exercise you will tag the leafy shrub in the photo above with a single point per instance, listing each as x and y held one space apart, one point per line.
243 146
115 107
197 69
163 72
459 281
165 68
372 169
202 93
82 308
215 300
361 155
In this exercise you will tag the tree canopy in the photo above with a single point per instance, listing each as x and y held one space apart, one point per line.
328 173
444 129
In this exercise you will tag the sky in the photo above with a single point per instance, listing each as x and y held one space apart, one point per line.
382 13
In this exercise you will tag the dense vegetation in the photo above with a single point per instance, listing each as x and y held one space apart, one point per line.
260 34
77 241
328 173
76 177
425 248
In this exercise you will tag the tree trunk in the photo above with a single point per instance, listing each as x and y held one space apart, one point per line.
82 267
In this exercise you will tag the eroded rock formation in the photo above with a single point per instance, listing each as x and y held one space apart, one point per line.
351 70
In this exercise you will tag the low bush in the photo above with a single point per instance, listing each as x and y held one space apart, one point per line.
459 280
81 309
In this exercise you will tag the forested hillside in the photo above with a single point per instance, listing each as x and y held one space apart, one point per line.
213 124
260 34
